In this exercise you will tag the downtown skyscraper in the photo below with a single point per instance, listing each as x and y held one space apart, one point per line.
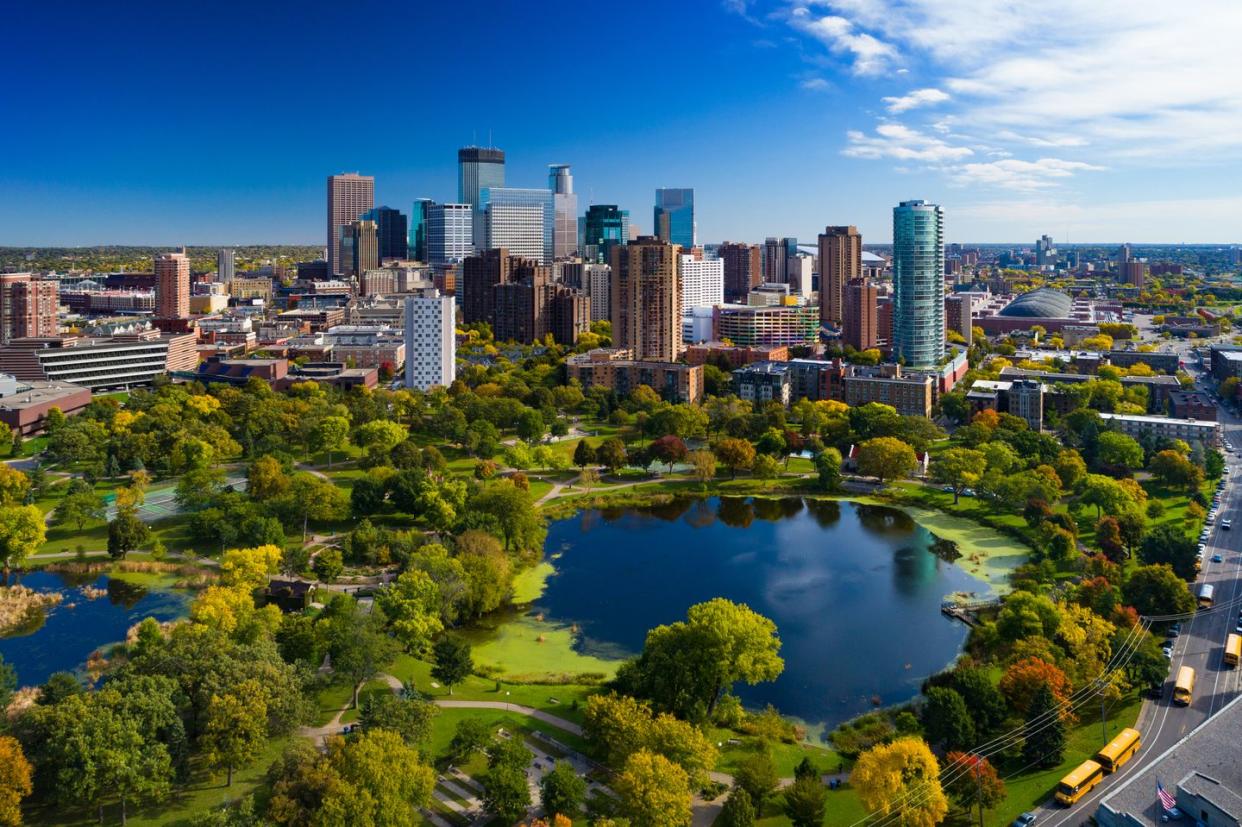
349 196
172 285
646 301
565 208
918 283
840 262
478 169
673 217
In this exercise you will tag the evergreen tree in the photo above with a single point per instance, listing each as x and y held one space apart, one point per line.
1045 731
738 811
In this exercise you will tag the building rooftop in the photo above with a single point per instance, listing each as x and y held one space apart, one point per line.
764 367
1044 303
1207 763
1167 420
16 394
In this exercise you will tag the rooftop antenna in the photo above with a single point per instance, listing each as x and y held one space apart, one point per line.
489 139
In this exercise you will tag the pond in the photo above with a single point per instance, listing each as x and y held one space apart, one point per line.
85 620
855 591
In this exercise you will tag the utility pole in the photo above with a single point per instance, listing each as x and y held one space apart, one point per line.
979 787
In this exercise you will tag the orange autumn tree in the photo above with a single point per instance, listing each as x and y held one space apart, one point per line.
1025 677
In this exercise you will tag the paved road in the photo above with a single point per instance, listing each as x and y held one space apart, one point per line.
1200 646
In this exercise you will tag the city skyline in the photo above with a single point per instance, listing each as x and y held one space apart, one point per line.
1087 137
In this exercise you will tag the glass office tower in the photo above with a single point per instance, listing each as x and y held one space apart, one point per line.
674 216
604 227
520 220
565 202
391 224
416 241
918 283
478 168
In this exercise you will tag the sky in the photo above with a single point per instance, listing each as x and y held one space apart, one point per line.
217 123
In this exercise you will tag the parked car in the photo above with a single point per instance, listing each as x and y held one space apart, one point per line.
1175 629
1024 820
1226 524
1216 558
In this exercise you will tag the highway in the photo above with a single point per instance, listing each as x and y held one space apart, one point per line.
1200 644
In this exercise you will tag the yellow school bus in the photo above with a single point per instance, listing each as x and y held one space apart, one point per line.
1119 750
1185 686
1079 782
1233 649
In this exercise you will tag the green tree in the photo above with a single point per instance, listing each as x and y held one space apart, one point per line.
21 533
235 729
738 810
959 468
653 791
584 454
757 776
412 605
408 717
946 719
1044 742
976 783
611 454
1157 590
452 662
506 793
328 564
330 434
805 801
563 791
125 534
828 469
380 436
384 781
359 645
886 458
471 736
1119 452
530 426
514 512
1169 544
765 467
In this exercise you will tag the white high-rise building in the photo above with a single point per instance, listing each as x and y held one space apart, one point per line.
523 221
449 232
430 340
224 265
565 209
702 282
799 269
599 287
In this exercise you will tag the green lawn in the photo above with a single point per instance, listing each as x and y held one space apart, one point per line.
445 724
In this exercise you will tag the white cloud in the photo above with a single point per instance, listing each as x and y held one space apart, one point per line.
1015 174
815 84
901 143
919 97
870 55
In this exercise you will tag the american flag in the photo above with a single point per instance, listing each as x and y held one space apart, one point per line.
1166 799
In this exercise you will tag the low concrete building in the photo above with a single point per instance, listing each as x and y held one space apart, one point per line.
764 382
122 361
734 355
616 370
1190 431
24 405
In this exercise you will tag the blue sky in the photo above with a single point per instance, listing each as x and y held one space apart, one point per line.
165 123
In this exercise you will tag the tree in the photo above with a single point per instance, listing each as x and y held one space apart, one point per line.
738 811
1119 452
765 467
16 782
126 533
514 511
330 434
703 464
266 479
886 458
653 791
384 780
757 776
1070 468
79 506
412 605
358 644
249 568
328 564
1108 538
1169 544
901 778
611 454
946 719
828 469
1026 678
21 533
506 793
1044 744
14 486
453 663
984 701
530 426
959 468
735 454
584 454
670 450
1157 590
235 728
978 785
805 800
1106 494
380 436
471 736
1175 471
563 791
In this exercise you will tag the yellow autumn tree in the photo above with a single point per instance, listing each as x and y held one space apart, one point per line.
15 780
901 779
249 567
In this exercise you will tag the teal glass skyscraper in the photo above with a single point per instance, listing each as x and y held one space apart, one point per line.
674 216
605 226
918 283
417 239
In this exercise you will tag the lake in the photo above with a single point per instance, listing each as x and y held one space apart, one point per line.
71 631
855 591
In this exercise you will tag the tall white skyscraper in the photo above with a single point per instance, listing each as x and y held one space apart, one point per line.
702 282
430 340
520 220
565 207
449 232
918 283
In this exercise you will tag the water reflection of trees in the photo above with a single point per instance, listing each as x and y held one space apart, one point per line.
671 510
701 514
888 522
121 593
913 569
826 513
736 512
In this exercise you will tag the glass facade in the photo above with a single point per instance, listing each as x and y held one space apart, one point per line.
520 220
604 227
391 225
416 240
478 168
449 232
918 283
674 216
565 203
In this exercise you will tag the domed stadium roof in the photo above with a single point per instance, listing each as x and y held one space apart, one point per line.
1044 303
